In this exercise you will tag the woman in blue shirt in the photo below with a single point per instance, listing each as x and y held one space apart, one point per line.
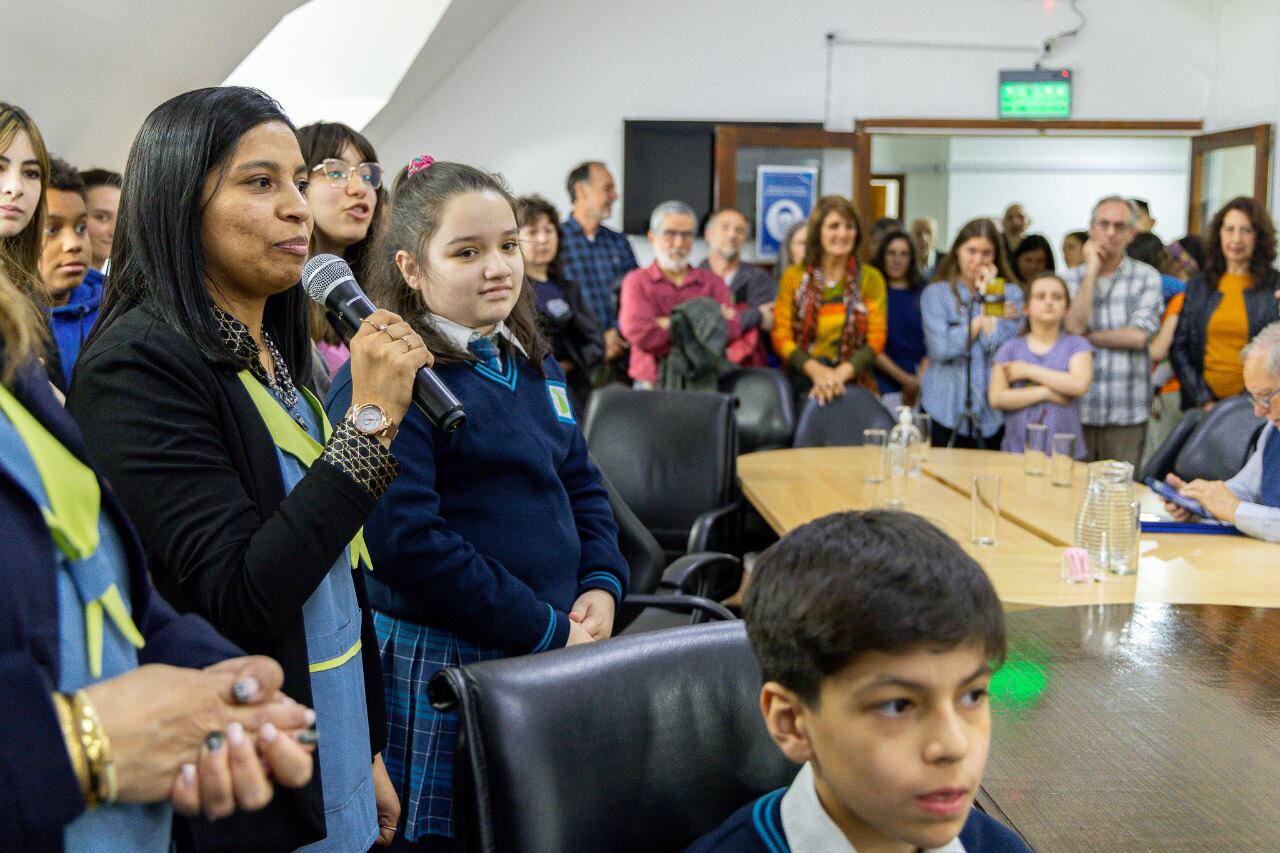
968 313
899 367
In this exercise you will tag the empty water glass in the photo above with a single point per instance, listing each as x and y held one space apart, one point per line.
925 424
984 517
1061 464
873 442
1033 455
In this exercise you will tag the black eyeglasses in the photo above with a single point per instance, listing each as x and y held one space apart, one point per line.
337 173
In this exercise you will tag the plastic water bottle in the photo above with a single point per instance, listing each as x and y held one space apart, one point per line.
905 449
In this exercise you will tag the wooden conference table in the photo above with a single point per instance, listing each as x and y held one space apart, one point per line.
791 487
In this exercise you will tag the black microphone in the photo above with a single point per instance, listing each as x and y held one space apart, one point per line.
330 282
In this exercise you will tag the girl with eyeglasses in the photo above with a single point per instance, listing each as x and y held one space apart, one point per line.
346 198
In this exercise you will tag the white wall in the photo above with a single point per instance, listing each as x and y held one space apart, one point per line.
923 160
1058 180
553 80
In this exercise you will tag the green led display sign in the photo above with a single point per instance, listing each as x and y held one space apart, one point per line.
1039 94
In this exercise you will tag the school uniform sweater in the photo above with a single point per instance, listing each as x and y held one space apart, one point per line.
761 827
492 531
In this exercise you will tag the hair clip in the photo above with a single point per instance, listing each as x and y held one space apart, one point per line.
420 164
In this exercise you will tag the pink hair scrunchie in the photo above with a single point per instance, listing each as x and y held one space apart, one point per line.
420 164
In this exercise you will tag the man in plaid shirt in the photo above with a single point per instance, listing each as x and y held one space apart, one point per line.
1116 304
595 257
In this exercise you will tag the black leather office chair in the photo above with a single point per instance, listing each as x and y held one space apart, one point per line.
691 586
637 743
672 457
840 423
1221 444
1161 461
765 413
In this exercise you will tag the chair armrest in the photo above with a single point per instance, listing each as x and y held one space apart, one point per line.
708 575
700 532
682 604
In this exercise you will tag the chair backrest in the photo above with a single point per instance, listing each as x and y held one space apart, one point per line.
1220 445
643 742
765 414
1160 462
671 455
840 423
645 557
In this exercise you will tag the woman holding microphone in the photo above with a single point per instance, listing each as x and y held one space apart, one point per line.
970 310
249 502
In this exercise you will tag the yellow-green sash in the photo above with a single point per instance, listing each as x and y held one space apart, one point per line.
75 507
294 440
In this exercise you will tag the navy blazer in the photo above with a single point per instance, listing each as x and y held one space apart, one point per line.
38 790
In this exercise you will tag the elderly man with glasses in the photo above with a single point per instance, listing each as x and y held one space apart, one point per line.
649 295
1116 303
1251 499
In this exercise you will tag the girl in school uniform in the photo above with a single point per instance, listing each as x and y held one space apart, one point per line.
497 539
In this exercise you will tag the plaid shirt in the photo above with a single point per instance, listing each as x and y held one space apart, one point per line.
597 266
1131 297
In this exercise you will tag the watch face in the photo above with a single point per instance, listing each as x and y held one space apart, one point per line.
368 419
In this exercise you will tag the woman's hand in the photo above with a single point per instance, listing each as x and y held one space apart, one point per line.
158 718
385 355
594 610
384 794
828 382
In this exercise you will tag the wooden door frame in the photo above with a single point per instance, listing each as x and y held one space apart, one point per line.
864 128
731 137
1257 135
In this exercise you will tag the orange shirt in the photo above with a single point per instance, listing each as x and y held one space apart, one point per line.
1227 334
1173 309
826 340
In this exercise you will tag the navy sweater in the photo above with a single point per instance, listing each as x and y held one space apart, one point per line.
757 828
494 530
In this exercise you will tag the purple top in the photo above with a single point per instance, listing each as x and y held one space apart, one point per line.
1057 417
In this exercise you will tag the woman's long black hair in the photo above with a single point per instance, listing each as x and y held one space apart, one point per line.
158 258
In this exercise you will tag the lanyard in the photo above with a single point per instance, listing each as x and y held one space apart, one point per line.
297 442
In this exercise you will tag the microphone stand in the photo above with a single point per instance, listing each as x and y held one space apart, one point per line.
967 415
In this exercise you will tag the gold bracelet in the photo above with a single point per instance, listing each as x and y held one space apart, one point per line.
75 749
97 748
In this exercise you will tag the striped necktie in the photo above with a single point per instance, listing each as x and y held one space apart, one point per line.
484 349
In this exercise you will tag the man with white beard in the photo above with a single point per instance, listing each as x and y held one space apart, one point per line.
649 294
726 233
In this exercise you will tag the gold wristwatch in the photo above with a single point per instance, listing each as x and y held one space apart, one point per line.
371 420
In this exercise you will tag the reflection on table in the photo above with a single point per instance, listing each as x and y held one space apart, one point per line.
1147 727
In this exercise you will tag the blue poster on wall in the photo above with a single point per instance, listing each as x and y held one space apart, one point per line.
784 196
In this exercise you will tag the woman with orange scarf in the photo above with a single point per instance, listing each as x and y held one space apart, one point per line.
830 315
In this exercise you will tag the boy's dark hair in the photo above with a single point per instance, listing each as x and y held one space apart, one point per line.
1082 236
1141 204
63 176
1146 248
94 178
856 582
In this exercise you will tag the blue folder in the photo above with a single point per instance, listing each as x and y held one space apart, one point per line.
1189 527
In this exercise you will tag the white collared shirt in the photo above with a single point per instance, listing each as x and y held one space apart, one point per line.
809 829
460 335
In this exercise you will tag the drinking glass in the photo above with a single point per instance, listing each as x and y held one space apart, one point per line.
925 424
1033 456
1063 459
874 441
984 515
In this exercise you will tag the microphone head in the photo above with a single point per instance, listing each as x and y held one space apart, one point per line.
323 273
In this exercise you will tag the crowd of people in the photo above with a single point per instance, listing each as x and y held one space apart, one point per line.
248 444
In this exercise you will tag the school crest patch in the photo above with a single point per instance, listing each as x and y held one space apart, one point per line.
559 394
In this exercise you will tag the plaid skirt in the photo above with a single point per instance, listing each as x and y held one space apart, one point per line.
421 740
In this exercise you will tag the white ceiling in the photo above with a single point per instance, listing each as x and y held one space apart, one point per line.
89 71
